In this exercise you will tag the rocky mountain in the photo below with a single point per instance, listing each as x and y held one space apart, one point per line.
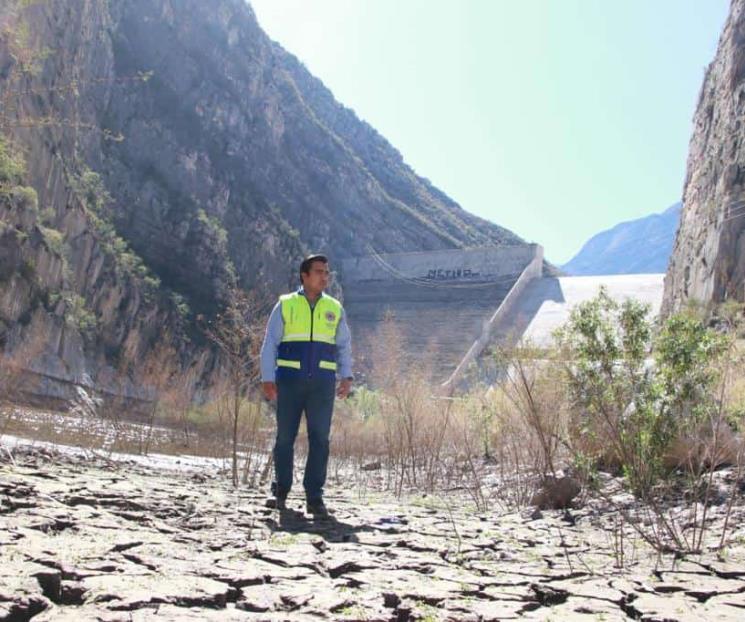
708 258
640 246
156 154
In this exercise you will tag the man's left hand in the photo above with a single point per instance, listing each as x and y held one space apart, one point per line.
345 385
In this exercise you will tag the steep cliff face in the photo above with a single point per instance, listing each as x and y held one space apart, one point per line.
176 152
71 288
708 259
231 124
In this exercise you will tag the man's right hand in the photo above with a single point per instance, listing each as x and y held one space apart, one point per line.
270 390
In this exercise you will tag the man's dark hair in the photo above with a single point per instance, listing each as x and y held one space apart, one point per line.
309 260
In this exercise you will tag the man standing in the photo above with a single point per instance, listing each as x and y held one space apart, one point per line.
307 341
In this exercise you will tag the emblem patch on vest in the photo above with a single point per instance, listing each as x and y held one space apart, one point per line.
330 316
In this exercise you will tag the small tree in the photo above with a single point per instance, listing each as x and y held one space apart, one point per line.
656 401
686 356
238 333
533 388
606 346
635 390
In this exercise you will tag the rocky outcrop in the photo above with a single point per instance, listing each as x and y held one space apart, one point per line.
708 259
177 152
70 328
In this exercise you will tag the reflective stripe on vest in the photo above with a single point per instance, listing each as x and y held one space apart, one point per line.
286 363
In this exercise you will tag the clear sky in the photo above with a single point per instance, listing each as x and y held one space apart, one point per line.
554 118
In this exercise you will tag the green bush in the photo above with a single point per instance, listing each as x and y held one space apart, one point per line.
26 197
12 172
28 269
152 283
46 216
12 165
77 315
365 402
214 226
634 390
54 239
686 353
89 187
179 302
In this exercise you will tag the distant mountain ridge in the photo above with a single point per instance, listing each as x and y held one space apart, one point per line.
640 246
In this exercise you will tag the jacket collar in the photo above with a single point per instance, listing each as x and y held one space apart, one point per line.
301 290
313 304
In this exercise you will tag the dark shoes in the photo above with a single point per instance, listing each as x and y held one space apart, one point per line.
317 508
277 503
279 500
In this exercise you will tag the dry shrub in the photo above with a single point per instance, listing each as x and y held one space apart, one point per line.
237 333
713 444
256 438
528 424
413 420
16 375
176 401
144 390
467 454
512 448
241 438
156 375
733 433
408 436
358 435
536 390
400 431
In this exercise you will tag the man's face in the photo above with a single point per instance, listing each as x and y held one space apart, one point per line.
317 279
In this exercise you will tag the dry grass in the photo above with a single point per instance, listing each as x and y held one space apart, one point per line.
403 437
15 378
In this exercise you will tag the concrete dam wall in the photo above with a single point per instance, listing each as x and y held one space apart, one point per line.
440 301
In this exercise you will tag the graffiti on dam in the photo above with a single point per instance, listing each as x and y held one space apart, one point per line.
442 274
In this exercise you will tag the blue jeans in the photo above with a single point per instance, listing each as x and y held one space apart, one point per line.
315 397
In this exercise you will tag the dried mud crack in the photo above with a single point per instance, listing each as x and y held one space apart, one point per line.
79 541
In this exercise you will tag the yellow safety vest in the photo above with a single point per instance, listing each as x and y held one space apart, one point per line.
308 345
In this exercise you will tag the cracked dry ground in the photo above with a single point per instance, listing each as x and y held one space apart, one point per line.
85 539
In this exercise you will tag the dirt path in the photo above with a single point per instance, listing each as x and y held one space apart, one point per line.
85 539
